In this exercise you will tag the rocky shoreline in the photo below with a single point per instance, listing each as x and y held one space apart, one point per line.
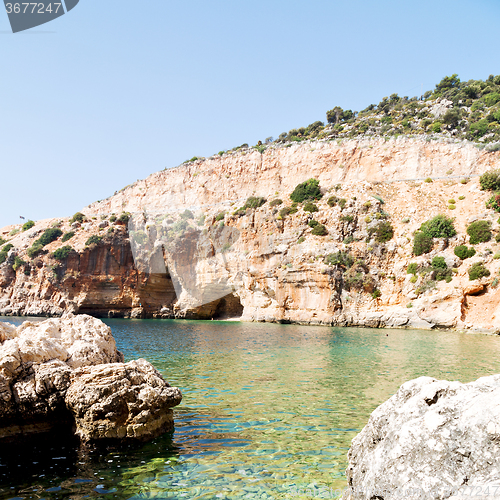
67 374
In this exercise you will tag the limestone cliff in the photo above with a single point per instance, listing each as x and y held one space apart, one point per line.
192 250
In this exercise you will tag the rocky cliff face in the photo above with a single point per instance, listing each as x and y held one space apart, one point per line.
191 250
432 439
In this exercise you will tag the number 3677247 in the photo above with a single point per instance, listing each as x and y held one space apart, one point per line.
33 8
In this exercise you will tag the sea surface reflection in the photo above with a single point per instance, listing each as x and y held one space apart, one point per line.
267 410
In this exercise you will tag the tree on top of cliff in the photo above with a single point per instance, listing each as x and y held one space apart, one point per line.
337 114
447 83
308 190
468 110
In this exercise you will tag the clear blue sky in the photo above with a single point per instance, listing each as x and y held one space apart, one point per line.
118 89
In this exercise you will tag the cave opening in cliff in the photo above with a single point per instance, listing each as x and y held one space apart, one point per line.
228 307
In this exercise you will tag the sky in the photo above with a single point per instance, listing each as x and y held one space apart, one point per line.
118 89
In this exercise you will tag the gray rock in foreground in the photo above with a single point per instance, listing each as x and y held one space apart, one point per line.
68 373
432 439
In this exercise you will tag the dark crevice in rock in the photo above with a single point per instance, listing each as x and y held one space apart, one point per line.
434 399
228 307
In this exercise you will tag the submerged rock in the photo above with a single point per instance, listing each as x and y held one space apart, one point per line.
433 439
68 373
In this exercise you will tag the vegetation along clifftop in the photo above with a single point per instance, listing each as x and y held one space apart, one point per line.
379 218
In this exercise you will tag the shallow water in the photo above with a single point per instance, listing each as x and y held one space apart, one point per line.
268 410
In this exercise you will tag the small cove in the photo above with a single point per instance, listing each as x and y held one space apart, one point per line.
268 409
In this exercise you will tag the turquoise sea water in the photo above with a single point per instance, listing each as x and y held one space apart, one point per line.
268 411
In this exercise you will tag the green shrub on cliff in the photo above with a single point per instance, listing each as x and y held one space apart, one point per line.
442 272
48 236
4 252
342 259
463 252
34 251
18 262
93 240
346 218
67 236
425 286
308 190
254 202
311 207
436 127
440 226
287 211
78 217
332 201
275 202
353 279
319 230
412 268
383 231
186 215
62 253
490 181
494 202
439 263
284 212
2 241
479 232
28 225
477 271
124 217
180 226
240 211
421 243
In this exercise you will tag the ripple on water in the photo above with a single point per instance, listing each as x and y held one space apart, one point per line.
268 410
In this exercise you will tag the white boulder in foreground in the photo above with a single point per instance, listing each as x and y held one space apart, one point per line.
433 439
119 401
67 372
